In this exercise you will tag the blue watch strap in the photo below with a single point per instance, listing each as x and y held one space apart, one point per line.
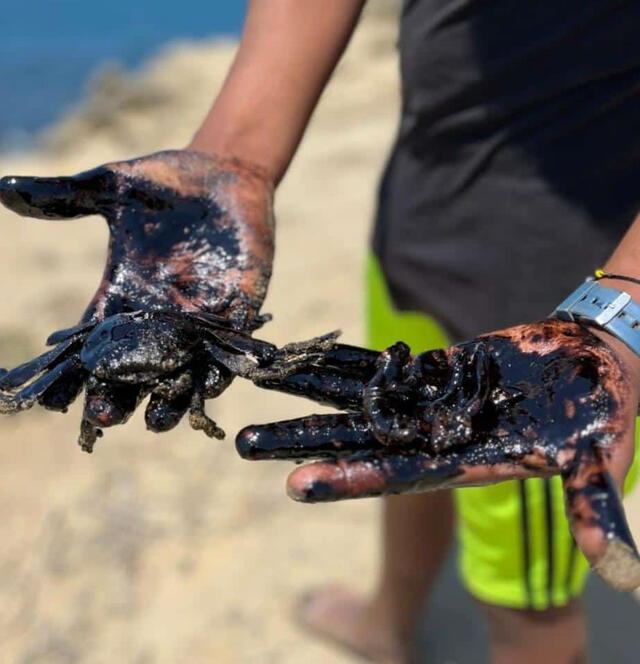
608 308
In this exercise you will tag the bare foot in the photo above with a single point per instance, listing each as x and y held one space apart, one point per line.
351 622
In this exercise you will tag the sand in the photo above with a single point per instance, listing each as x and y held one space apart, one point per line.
167 549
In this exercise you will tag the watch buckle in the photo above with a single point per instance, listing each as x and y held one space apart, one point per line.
612 309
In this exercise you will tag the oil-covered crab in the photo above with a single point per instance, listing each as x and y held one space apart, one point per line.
179 359
533 400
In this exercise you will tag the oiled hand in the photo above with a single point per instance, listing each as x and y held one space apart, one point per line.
190 249
188 231
534 400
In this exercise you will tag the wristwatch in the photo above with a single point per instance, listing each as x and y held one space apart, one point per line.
607 308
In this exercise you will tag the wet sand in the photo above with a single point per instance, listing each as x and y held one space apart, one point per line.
165 549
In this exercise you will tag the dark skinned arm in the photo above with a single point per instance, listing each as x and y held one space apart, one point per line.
287 53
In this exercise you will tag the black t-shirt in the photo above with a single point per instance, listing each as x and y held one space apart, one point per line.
517 164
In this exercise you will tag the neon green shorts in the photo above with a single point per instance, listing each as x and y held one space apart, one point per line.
515 546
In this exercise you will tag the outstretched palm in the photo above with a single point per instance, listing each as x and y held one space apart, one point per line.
533 400
189 234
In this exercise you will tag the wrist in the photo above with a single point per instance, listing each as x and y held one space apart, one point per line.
629 360
622 284
228 160
609 310
244 151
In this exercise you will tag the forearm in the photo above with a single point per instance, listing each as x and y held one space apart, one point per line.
625 260
287 53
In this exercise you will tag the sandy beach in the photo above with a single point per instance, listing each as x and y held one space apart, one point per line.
168 549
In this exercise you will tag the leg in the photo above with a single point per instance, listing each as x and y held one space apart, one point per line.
169 402
108 404
29 395
199 420
417 533
417 528
553 636
29 370
523 568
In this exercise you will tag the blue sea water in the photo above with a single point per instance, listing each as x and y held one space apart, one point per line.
48 49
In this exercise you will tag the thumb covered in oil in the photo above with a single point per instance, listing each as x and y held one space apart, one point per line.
57 197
